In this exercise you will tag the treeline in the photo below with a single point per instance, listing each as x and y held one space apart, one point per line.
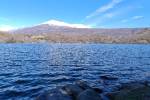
141 37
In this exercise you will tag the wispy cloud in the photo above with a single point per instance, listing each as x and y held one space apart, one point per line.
111 14
132 18
114 12
137 17
104 8
106 17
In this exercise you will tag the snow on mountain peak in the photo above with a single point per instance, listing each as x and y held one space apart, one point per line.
61 23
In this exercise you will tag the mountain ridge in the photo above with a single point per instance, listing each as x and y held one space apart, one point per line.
53 33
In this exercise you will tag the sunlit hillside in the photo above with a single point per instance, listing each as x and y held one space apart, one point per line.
75 35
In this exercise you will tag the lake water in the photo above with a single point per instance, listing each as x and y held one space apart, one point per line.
26 70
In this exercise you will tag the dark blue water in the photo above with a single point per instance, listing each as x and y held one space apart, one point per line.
26 70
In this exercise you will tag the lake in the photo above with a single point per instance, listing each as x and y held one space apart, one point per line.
26 70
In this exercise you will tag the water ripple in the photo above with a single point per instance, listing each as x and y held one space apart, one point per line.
29 69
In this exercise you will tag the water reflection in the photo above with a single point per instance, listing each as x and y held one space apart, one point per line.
32 68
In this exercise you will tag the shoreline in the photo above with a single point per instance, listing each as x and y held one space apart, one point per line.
81 90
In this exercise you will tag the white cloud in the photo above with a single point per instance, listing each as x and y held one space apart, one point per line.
61 23
6 27
104 19
132 18
137 17
104 8
110 15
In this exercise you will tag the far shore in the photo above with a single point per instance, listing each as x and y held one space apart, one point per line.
71 35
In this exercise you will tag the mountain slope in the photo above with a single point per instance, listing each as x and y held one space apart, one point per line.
46 28
53 33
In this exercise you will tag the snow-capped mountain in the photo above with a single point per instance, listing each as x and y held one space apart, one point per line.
51 26
64 24
55 26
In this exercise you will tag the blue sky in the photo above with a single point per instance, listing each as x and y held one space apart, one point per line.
94 13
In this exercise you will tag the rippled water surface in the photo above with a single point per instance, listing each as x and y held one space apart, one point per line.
26 70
